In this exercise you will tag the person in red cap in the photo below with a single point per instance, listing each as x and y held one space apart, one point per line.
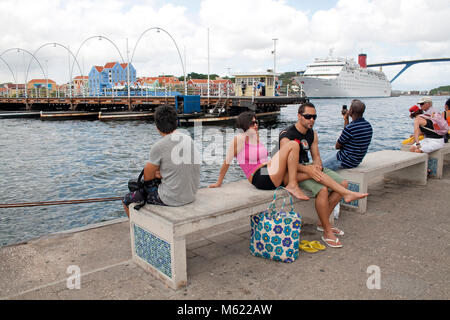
432 140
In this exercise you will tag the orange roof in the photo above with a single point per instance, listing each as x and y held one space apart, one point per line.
199 80
13 86
167 80
210 81
81 78
40 81
110 65
99 68
222 81
124 65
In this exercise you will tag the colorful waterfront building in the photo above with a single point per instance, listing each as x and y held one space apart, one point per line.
14 90
37 84
80 84
110 76
148 83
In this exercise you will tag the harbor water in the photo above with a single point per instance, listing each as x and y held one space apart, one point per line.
67 160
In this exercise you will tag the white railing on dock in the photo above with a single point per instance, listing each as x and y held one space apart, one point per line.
162 91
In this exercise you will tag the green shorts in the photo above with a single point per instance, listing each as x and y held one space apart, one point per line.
314 186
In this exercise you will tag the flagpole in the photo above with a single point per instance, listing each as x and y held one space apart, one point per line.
208 66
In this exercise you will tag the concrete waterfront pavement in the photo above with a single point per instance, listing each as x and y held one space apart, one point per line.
405 232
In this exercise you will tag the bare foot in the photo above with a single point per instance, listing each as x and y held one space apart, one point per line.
352 196
297 192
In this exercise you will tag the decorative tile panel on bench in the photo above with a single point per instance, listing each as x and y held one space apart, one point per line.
153 250
432 166
352 187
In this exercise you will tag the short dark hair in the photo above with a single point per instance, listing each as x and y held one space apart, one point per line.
301 109
416 113
358 107
166 119
244 120
447 103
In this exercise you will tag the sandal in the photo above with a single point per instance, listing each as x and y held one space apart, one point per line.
332 243
335 230
305 246
317 245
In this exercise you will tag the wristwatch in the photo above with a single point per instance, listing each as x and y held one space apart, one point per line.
417 143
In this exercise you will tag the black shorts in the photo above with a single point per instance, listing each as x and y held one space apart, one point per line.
149 195
261 179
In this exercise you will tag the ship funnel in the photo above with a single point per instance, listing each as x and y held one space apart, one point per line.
362 60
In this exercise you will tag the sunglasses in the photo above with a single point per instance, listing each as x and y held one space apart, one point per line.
255 122
309 116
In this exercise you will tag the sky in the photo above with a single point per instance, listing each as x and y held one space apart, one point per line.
241 34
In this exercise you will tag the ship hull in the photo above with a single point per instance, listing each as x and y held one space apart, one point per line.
344 88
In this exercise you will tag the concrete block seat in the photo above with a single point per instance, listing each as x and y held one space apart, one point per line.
158 233
435 160
396 165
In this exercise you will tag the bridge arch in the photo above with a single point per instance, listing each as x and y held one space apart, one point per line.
9 67
100 37
174 42
54 44
407 64
32 57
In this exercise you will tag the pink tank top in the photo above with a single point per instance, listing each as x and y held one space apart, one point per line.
251 157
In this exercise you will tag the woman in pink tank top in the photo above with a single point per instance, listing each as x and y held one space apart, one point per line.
252 156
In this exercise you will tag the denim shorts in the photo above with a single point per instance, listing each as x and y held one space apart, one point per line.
331 161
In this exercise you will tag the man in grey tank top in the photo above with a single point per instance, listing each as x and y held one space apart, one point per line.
172 175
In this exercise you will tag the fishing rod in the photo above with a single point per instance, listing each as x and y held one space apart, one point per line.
54 203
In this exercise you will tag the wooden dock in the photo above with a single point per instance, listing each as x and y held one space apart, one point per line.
138 103
212 110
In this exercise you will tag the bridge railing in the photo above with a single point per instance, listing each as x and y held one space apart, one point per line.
156 91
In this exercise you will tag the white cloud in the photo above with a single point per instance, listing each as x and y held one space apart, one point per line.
241 33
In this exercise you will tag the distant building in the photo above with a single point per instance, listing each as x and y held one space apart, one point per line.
148 83
15 90
166 80
112 75
35 85
80 84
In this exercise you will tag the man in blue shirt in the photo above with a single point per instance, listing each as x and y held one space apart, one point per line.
354 141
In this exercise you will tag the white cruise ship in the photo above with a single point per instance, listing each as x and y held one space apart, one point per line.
343 78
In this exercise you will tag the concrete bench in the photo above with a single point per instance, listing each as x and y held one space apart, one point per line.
435 160
158 234
396 165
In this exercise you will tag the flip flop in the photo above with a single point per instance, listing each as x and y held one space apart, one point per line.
308 248
317 245
335 230
305 246
332 243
